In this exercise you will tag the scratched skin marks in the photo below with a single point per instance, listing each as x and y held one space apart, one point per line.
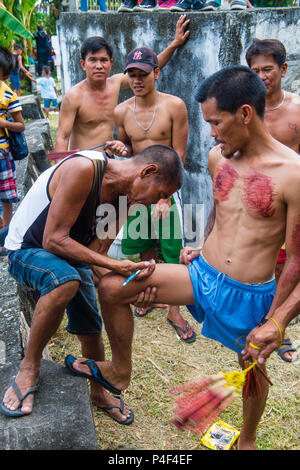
293 127
259 194
224 181
296 237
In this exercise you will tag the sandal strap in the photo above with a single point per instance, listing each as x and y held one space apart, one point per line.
121 407
18 391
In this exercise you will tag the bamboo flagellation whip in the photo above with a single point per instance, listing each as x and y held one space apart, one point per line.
201 402
53 155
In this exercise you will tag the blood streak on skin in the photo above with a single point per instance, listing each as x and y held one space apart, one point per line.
224 181
296 237
259 194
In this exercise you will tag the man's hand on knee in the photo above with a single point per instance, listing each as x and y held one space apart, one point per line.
146 298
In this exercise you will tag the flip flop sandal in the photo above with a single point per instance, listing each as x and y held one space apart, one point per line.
17 413
288 348
137 314
129 420
176 328
95 371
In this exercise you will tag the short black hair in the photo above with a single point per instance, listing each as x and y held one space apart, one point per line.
232 87
94 44
18 46
6 61
271 47
168 161
46 69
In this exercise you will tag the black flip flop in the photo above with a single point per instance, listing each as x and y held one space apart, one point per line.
129 420
95 371
176 328
136 314
18 412
288 348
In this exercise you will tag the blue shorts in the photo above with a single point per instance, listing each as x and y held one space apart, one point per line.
47 102
42 271
15 81
229 309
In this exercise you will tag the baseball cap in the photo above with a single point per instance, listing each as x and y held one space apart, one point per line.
141 58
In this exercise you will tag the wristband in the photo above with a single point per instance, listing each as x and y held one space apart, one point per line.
279 329
255 347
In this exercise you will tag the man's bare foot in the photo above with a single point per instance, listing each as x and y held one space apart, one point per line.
287 352
143 311
178 321
246 443
25 379
103 399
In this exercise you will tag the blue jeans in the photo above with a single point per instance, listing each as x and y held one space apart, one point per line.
38 269
3 233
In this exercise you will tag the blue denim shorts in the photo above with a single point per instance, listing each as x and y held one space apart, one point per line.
15 81
42 271
47 102
229 309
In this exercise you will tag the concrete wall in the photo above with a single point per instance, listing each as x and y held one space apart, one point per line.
217 39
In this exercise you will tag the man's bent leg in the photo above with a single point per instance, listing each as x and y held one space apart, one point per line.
148 255
253 409
115 307
46 320
93 348
86 323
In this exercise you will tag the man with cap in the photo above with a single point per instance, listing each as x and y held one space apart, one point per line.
86 121
86 113
151 117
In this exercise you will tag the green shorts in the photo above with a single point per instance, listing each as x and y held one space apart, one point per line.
148 232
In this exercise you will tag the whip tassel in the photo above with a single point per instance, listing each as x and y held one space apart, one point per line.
202 401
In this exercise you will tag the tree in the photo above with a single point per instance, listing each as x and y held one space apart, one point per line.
12 16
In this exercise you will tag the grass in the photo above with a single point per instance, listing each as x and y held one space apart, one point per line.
161 360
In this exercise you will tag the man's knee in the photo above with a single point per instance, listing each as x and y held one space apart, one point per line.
109 289
66 291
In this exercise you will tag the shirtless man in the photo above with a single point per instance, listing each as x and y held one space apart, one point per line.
257 207
152 117
86 113
49 242
267 58
86 121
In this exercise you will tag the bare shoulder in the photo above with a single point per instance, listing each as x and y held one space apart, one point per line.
293 98
121 109
172 100
77 168
290 172
293 102
215 157
73 95
118 80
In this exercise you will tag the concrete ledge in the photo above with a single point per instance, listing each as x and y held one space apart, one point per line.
31 107
10 320
61 418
